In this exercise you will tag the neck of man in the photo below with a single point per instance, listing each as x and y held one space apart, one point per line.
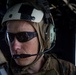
37 66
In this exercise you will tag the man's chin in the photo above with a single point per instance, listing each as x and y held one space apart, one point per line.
21 62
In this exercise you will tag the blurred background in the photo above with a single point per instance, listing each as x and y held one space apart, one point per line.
64 14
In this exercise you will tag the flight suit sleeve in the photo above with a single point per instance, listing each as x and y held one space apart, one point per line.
3 65
68 68
2 58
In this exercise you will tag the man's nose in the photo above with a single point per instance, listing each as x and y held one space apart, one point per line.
16 44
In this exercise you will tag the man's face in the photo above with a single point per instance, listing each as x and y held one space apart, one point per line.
16 47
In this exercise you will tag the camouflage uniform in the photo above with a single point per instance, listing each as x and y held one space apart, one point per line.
52 66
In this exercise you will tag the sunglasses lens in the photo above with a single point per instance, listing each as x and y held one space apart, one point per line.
11 37
22 36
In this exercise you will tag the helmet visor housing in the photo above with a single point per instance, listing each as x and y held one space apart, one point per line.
23 11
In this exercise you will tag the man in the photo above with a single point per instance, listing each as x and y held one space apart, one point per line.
30 34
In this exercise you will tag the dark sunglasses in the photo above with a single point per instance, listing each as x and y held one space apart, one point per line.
21 36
